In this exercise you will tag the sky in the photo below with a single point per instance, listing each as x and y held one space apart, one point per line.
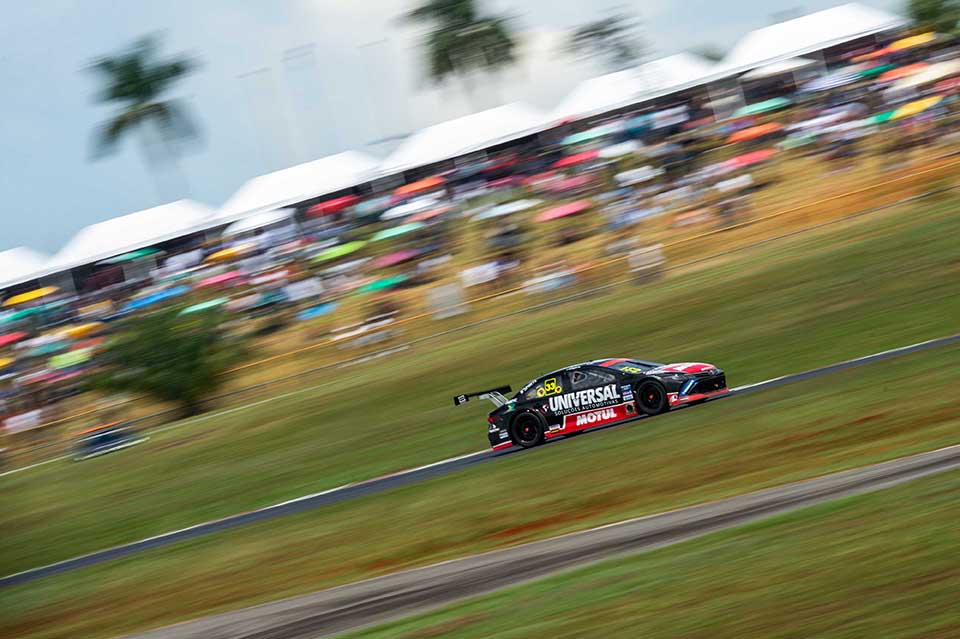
280 82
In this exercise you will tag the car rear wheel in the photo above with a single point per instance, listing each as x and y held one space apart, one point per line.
652 398
527 430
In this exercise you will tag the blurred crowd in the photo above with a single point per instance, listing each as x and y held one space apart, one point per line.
512 219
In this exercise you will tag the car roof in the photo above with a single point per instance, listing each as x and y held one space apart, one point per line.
593 362
605 362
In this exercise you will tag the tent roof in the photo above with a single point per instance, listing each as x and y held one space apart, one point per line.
467 134
809 33
623 88
132 231
301 182
19 265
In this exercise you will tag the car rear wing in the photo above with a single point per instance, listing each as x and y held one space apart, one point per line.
495 395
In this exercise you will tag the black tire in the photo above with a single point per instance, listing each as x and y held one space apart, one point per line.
527 430
652 398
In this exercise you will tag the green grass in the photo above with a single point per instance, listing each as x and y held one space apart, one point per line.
882 565
843 420
848 290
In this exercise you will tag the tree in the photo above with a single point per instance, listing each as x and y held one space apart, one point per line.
462 41
612 39
937 15
170 357
136 80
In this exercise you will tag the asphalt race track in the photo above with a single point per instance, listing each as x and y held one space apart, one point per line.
400 594
403 478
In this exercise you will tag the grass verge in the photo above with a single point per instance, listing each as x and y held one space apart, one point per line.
844 420
881 565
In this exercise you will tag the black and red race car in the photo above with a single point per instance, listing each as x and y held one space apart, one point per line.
595 393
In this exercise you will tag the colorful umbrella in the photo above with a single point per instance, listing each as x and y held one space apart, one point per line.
418 205
222 278
317 311
880 118
81 330
397 231
398 257
546 176
420 186
762 107
902 72
754 157
129 257
872 55
11 338
754 132
504 182
271 276
382 284
877 70
230 253
621 149
576 158
929 75
592 134
30 296
202 306
332 206
638 123
424 216
70 358
564 210
376 205
6 361
508 208
335 252
157 297
913 41
19 315
947 86
915 107
638 175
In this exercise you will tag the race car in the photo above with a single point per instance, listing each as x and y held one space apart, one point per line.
596 393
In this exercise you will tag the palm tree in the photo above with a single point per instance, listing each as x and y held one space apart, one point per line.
710 52
136 81
939 15
461 40
612 39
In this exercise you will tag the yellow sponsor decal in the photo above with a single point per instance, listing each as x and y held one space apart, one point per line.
550 387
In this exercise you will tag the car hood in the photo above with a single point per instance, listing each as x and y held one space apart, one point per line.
690 368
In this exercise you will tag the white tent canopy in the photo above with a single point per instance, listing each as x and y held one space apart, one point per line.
301 182
623 88
776 68
20 264
808 34
132 231
259 221
469 134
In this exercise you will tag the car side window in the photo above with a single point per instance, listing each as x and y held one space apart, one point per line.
590 378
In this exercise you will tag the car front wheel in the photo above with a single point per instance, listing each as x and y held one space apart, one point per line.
652 398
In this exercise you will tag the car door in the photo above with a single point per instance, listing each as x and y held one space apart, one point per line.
594 397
